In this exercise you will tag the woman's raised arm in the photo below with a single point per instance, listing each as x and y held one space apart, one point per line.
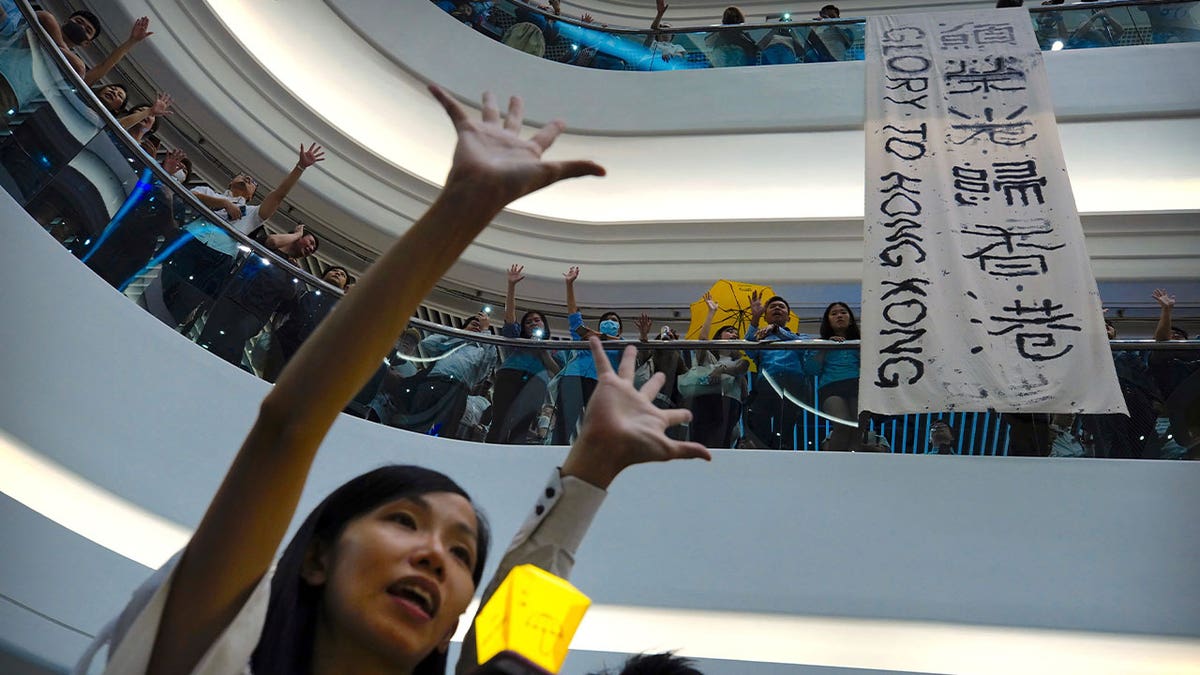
237 538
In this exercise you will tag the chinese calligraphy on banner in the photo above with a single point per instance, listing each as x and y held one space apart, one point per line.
977 290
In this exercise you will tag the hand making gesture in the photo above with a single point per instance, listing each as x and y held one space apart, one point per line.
622 426
312 155
494 161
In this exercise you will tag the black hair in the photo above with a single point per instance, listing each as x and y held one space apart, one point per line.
101 87
545 324
852 332
665 663
316 240
147 106
732 16
336 267
829 8
723 329
90 18
773 298
1180 330
1001 4
615 316
285 646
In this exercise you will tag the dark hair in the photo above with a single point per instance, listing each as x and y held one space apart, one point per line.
285 647
335 267
773 298
147 106
665 663
830 8
615 316
90 18
1181 331
732 16
722 329
545 324
1001 4
101 87
852 332
316 241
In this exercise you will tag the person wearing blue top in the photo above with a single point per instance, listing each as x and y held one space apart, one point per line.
577 380
836 371
770 417
522 379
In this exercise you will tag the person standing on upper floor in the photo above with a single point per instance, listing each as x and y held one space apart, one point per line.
577 380
79 30
306 312
662 46
253 295
1170 368
836 371
716 386
439 396
194 273
771 417
522 379
731 47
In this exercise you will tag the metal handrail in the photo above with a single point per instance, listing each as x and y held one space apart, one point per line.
118 132
810 23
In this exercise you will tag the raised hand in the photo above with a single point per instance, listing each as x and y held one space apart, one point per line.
312 155
712 304
756 306
661 6
162 105
140 30
622 427
515 274
1165 300
173 162
493 164
643 324
571 275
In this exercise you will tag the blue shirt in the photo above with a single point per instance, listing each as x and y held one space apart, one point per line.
832 365
525 360
581 363
786 366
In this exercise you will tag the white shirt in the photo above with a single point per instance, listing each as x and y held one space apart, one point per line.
211 235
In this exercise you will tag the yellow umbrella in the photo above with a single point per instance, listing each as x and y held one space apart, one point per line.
733 297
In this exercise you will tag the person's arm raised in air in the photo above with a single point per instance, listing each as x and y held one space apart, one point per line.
140 31
237 538
308 157
1166 303
579 330
704 357
661 9
515 274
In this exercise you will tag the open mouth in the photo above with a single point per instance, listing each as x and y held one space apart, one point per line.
418 594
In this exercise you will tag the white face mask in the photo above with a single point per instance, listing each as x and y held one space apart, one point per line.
179 175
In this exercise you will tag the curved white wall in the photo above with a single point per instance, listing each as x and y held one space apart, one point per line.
98 386
762 166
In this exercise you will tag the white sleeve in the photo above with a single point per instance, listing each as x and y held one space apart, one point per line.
548 538
249 222
130 637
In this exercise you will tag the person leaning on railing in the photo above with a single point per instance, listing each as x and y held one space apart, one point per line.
715 387
771 418
195 272
522 379
577 380
836 371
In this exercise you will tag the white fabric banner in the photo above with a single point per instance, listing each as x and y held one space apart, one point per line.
977 289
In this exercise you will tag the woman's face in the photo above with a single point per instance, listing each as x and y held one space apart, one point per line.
839 318
728 333
398 578
113 97
532 323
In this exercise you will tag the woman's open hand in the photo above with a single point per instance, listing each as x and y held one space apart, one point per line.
494 163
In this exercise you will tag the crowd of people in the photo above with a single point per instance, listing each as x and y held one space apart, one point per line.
537 32
377 577
256 315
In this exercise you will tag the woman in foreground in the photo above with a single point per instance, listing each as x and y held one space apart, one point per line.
378 576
